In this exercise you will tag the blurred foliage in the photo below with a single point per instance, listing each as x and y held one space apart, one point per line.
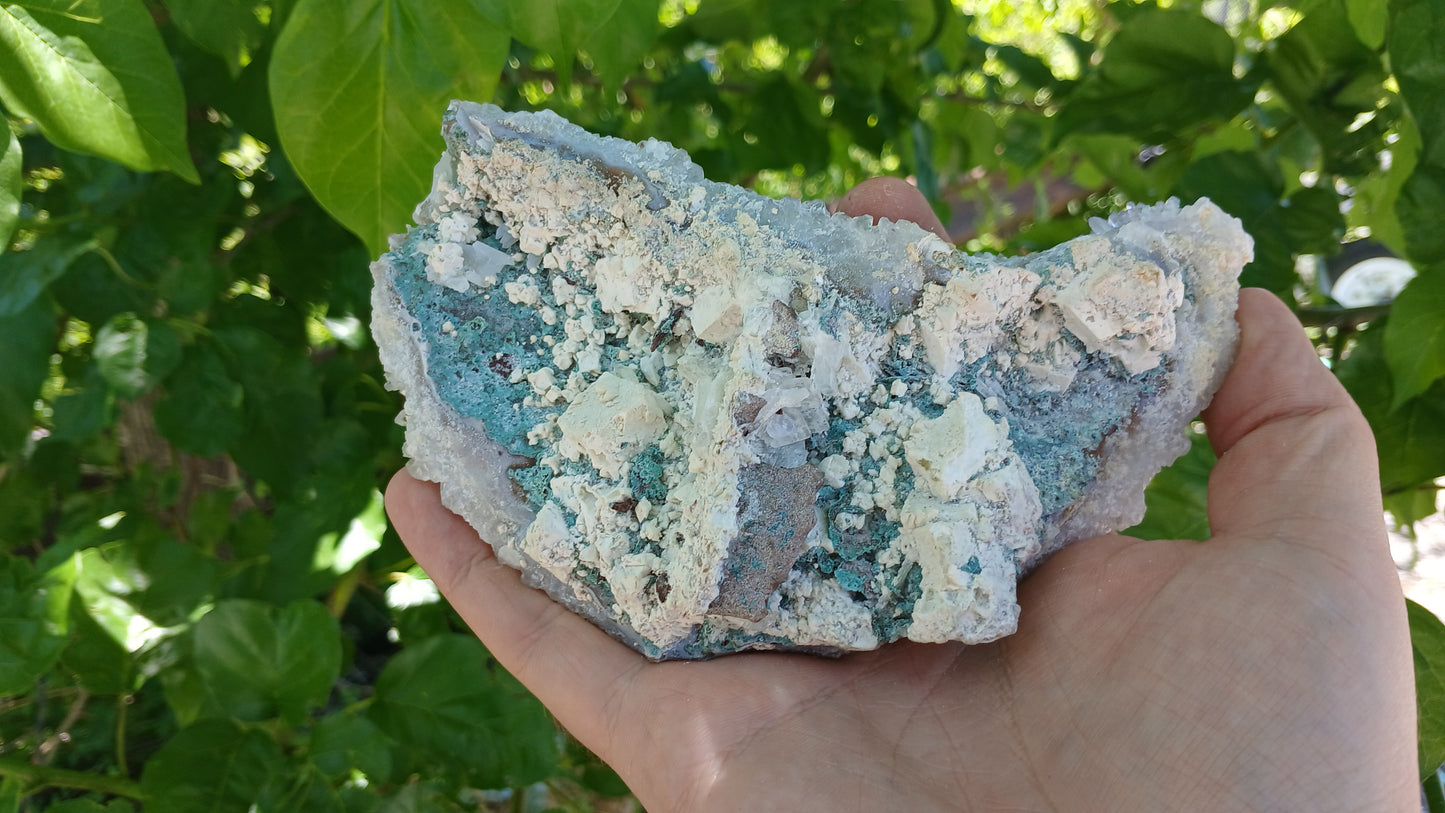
201 603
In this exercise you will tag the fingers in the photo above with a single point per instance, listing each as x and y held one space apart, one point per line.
570 665
1294 449
1276 375
893 198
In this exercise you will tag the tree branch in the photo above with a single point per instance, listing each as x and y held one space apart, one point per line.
46 750
1329 316
46 776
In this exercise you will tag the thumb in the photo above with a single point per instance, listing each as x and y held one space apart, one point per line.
1293 448
893 198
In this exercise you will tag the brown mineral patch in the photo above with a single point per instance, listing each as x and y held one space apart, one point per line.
747 409
775 514
501 364
781 337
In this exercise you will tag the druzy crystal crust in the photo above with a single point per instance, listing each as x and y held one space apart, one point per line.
711 421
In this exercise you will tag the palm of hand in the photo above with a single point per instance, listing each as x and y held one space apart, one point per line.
1231 674
1135 672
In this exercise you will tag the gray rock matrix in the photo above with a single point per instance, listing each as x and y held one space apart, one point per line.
711 421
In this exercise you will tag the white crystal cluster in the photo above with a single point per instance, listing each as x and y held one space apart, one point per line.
712 421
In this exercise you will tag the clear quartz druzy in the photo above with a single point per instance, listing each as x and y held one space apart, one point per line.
711 421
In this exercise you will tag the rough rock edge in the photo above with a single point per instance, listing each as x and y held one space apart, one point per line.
1115 500
467 463
472 469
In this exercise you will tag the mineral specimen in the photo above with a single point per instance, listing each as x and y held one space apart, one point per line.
711 421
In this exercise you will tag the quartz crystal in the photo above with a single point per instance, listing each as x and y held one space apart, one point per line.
711 421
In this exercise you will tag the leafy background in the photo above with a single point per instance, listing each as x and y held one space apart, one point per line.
201 604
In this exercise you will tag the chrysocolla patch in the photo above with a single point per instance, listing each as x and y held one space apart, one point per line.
481 339
646 476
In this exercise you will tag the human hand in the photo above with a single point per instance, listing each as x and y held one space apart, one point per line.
1268 668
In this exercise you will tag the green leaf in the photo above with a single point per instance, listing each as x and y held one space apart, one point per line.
94 656
421 797
96 78
89 806
744 20
359 88
230 29
925 175
1248 186
967 135
1418 207
1409 507
311 793
794 24
1410 439
341 743
34 621
26 502
1165 70
442 697
214 765
186 693
1032 71
559 27
92 292
1176 505
340 552
1328 78
1417 55
618 44
261 661
1370 19
201 411
1376 196
282 404
143 584
175 241
1117 158
1427 639
1311 222
84 409
25 275
788 128
300 534
417 609
12 184
25 358
133 354
1415 335
12 790
1242 183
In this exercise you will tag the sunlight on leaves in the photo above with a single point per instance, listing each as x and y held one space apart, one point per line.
1415 335
360 88
96 77
11 185
1427 639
